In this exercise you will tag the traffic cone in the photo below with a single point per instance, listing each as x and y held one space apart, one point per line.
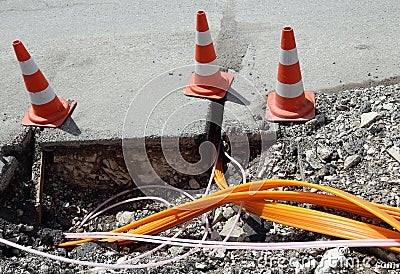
207 81
290 103
46 110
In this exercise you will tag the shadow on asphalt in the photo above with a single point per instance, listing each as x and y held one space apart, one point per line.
70 127
234 97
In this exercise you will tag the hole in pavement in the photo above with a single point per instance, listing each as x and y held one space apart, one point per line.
77 179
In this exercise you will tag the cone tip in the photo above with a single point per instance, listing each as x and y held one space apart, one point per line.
201 21
288 41
20 51
287 28
16 42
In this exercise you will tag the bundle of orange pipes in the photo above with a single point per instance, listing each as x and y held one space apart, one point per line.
260 200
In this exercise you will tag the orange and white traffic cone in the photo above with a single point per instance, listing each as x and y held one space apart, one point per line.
290 103
46 110
207 81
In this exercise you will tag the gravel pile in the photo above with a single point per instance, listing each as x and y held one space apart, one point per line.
353 144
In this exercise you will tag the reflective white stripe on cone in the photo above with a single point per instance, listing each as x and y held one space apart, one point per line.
206 69
43 97
288 57
289 90
28 67
203 38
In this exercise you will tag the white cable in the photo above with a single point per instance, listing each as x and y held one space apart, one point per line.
89 216
86 263
227 245
128 201
237 245
184 227
228 235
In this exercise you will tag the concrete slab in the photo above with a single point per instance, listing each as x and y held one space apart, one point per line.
108 82
98 53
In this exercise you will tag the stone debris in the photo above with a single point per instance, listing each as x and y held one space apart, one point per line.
125 217
320 118
201 266
238 231
313 123
324 153
304 266
395 153
122 259
91 169
8 167
368 118
388 106
217 215
351 161
214 236
312 159
365 107
20 212
371 151
341 107
254 228
261 172
176 250
228 212
102 169
220 253
193 184
333 259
